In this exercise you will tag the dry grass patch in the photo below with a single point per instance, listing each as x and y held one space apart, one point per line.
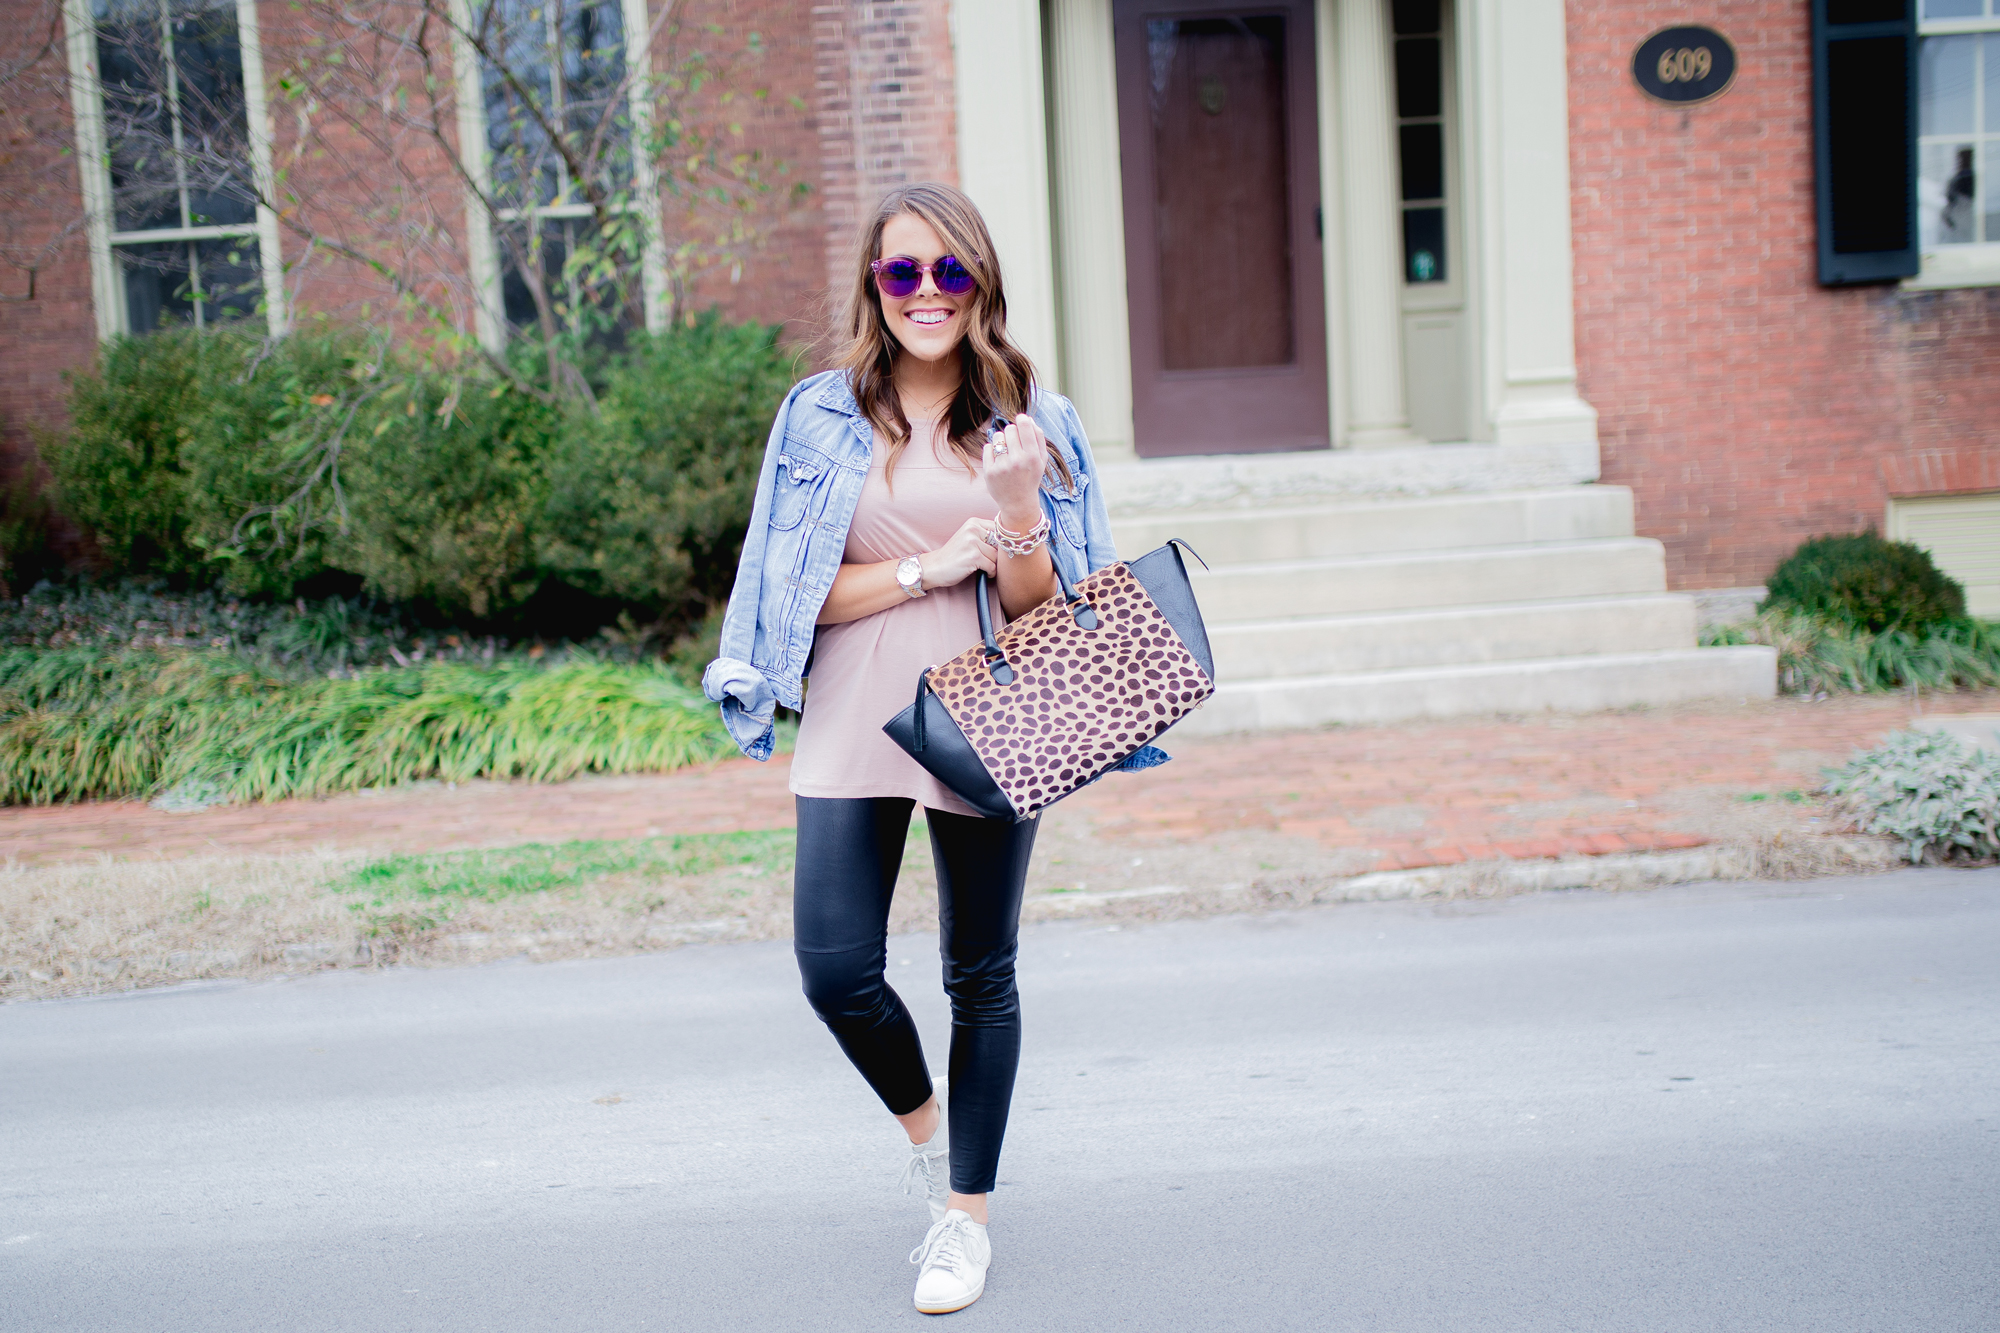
108 926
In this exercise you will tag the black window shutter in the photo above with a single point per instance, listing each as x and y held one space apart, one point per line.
1865 139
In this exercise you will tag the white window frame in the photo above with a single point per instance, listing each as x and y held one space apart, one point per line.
1975 264
107 276
483 250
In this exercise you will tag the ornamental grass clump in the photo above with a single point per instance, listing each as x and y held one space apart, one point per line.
1937 796
81 724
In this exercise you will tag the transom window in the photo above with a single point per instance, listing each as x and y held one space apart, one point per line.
1958 123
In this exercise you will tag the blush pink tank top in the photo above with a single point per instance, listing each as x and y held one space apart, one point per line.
864 671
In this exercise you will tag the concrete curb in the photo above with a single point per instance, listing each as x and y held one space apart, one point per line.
1780 859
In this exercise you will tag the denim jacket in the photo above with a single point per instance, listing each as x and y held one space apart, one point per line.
814 465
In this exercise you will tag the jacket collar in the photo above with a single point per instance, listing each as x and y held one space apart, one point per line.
836 396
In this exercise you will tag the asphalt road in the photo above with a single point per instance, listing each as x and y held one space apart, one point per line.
1721 1107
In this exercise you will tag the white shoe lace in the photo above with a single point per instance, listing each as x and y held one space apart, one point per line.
918 1172
944 1247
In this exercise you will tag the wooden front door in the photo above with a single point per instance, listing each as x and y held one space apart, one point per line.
1220 147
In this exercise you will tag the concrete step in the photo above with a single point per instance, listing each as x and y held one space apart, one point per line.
1384 526
1560 684
1452 635
1236 594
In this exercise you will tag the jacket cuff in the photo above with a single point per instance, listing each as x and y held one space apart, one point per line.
748 704
1145 757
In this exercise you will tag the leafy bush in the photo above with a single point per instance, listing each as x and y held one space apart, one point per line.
1936 795
324 462
650 506
83 723
175 436
1865 582
1816 655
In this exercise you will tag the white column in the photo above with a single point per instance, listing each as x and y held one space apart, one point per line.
1090 225
1520 159
1003 159
1371 229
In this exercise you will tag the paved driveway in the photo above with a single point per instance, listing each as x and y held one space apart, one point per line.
1720 1107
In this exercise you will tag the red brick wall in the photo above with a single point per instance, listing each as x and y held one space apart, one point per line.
55 332
1748 407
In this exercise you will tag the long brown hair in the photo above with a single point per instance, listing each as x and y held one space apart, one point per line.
995 377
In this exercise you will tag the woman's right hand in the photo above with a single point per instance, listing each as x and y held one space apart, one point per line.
957 560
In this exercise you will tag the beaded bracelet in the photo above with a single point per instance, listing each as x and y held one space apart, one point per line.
1021 543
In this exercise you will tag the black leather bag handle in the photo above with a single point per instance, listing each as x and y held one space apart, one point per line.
996 661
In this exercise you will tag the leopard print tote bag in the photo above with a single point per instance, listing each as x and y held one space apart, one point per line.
1071 689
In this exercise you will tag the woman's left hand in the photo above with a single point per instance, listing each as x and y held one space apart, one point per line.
1015 460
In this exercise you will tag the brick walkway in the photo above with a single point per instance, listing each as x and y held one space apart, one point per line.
1413 795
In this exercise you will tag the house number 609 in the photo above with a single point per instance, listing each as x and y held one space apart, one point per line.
1687 65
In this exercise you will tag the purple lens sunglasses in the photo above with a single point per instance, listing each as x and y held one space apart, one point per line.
900 276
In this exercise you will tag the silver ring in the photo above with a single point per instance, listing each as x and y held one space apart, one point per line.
999 449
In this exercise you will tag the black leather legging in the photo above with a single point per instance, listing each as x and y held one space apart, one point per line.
849 853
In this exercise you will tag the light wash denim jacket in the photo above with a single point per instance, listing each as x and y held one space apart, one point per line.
814 465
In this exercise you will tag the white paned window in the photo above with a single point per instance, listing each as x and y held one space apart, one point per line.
544 86
1958 142
168 96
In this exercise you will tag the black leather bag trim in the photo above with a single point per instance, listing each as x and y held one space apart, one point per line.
946 755
1163 574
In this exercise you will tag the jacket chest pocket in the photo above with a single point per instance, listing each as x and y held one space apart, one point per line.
1067 505
801 473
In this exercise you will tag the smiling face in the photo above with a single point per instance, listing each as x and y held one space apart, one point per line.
927 323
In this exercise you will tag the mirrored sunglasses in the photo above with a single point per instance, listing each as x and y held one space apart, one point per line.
901 276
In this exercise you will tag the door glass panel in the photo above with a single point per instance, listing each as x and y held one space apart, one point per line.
1219 151
1420 139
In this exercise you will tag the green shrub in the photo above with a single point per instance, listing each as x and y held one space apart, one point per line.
177 437
650 503
1936 795
1816 655
444 498
79 724
324 462
1866 582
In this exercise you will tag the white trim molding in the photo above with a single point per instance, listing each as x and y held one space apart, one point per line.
1951 266
86 99
257 118
482 257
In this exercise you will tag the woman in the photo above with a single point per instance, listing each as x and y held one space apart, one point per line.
924 457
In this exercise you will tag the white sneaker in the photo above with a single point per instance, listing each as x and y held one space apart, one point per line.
952 1264
929 1169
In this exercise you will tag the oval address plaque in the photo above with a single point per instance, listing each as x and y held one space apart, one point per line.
1684 65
